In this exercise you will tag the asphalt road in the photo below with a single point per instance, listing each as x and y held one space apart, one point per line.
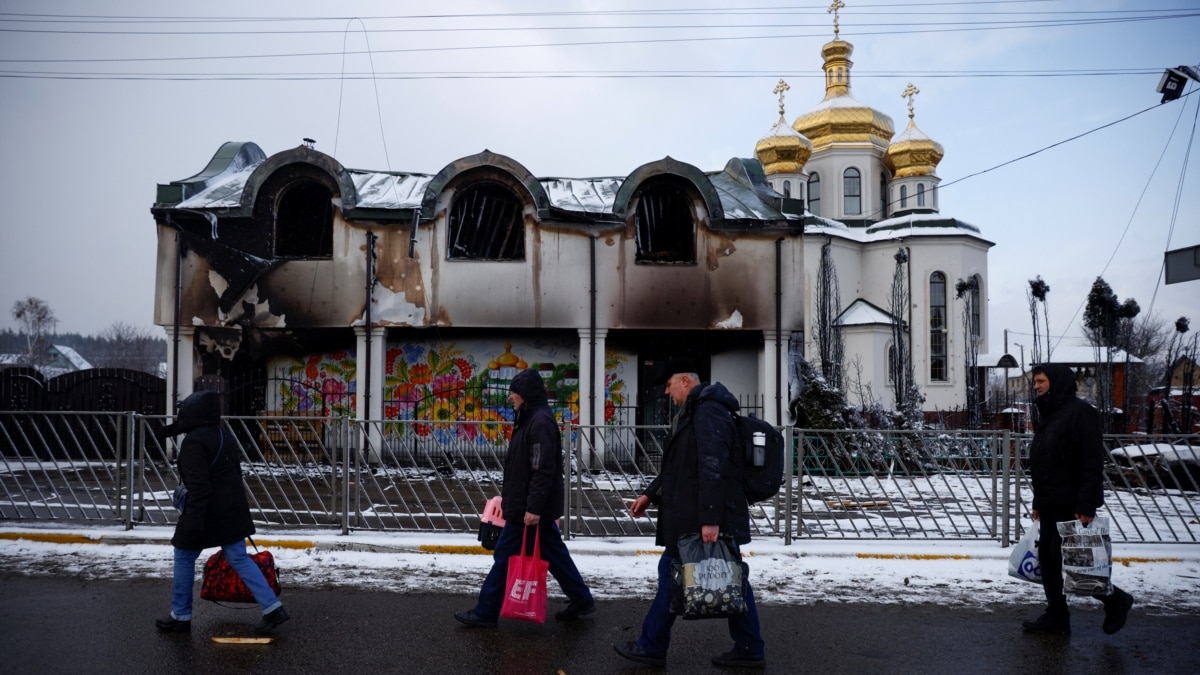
69 625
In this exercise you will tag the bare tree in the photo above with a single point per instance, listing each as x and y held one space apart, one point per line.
1036 294
907 394
968 292
133 347
37 323
828 335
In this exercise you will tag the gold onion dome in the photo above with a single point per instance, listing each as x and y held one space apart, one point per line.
913 153
783 149
840 119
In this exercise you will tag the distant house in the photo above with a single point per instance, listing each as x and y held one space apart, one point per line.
60 359
1085 360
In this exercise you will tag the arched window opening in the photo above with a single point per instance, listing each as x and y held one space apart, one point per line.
852 191
883 198
975 288
891 364
304 221
814 194
903 196
787 188
937 327
920 194
486 223
666 230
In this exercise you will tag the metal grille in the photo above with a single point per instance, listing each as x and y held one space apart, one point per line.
435 476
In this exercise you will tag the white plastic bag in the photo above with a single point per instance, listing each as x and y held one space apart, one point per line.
1087 557
1023 562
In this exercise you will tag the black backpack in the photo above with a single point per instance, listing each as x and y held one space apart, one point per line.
762 467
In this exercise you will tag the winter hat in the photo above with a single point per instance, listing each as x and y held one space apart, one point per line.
674 367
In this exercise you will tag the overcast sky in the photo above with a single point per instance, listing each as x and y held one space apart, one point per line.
98 109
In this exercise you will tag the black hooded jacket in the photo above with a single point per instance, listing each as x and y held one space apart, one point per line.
699 482
216 512
533 469
1066 458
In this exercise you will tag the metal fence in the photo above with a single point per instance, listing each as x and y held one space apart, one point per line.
342 474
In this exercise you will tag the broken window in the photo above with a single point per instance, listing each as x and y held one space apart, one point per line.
304 221
666 231
486 223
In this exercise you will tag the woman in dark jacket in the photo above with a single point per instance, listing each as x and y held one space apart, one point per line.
1066 467
215 513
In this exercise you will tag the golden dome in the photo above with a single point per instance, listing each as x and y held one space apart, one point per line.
913 153
507 359
840 118
783 149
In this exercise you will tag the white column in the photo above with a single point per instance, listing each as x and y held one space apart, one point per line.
378 348
187 364
774 376
591 394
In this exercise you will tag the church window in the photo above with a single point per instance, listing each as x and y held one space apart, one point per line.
920 194
891 364
852 191
883 199
814 194
903 196
937 327
666 230
304 221
975 287
787 188
486 223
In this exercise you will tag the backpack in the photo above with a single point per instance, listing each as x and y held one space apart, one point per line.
761 479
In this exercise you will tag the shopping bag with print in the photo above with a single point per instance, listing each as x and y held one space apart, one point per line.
1086 557
525 592
709 579
1023 562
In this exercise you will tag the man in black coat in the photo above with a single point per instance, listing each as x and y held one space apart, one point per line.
215 512
1066 465
532 497
698 490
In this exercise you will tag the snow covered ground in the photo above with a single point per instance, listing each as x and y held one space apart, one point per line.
1164 578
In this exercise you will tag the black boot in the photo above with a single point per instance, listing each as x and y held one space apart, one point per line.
271 621
1116 610
1046 624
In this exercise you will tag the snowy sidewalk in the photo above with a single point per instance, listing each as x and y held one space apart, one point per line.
1164 578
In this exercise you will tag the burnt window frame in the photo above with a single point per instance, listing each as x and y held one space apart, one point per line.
508 248
298 233
665 220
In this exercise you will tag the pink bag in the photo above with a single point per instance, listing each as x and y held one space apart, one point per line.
525 592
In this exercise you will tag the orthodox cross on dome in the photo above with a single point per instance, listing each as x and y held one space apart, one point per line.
780 89
834 7
909 92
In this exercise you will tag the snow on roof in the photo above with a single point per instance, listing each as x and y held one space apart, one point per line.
377 190
223 192
590 195
77 361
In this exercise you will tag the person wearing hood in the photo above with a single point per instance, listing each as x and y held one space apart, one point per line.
1066 467
532 495
697 490
215 512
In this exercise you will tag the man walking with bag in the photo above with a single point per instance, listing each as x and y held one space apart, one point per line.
1066 465
697 490
532 495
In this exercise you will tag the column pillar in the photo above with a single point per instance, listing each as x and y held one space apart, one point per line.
368 410
774 376
186 368
591 394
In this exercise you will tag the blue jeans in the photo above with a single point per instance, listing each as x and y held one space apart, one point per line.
185 577
656 628
554 551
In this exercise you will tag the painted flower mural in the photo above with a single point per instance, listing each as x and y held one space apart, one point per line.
322 384
438 385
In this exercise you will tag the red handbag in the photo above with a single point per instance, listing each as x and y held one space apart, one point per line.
525 592
222 583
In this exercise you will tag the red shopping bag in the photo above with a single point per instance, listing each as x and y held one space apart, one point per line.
525 592
223 584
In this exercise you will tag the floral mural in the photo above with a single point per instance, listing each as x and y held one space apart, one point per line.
319 384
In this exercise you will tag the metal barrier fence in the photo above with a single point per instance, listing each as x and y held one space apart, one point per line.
392 475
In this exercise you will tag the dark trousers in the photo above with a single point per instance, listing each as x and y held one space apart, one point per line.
554 551
1050 559
656 628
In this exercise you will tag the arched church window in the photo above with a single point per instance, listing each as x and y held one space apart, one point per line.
666 230
920 194
814 194
486 223
937 327
787 188
903 196
891 363
883 198
975 311
852 191
304 220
